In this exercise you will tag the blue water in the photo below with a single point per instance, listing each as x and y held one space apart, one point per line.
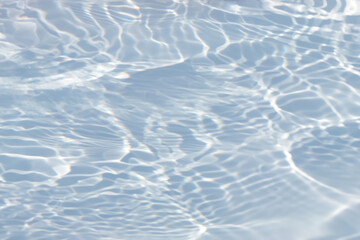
180 119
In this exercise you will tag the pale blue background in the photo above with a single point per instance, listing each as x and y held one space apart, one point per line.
182 120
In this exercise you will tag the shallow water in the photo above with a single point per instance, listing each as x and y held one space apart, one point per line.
180 119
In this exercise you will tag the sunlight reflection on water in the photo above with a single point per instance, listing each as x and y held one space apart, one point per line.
179 119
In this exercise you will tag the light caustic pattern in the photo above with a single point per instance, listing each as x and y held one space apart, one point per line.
179 119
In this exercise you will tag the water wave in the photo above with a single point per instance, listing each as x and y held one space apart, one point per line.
168 119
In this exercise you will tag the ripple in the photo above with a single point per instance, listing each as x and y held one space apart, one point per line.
168 119
330 156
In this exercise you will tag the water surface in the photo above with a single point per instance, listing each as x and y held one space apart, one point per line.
180 119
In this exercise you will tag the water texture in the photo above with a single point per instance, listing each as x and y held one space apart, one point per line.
191 119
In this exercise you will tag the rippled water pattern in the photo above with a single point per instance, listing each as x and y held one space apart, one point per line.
182 119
